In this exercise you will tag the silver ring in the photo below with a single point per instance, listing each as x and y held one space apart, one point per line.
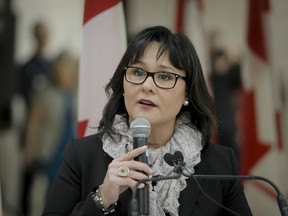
123 171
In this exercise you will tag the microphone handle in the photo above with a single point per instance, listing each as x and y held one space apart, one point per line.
134 201
139 142
143 193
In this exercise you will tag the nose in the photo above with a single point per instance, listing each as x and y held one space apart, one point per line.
149 84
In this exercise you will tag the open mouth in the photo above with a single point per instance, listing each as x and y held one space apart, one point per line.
147 103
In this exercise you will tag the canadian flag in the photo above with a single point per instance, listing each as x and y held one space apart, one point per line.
103 43
262 147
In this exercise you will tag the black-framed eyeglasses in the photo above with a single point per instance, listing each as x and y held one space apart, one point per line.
162 79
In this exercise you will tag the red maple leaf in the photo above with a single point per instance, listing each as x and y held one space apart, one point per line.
252 148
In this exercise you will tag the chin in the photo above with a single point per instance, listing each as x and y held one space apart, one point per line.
149 118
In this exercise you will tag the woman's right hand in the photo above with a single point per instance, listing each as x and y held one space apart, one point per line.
114 184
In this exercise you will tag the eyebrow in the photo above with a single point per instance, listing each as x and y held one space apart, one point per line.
162 67
168 67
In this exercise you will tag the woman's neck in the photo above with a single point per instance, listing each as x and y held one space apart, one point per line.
160 136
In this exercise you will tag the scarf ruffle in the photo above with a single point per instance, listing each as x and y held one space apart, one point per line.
164 196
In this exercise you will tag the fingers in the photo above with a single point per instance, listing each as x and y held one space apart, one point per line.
139 166
137 169
132 154
114 184
136 175
116 181
127 160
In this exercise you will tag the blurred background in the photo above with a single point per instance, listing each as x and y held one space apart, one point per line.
40 52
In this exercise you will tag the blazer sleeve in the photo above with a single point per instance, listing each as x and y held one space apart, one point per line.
65 196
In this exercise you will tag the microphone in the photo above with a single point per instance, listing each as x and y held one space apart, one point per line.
172 160
175 160
141 129
281 200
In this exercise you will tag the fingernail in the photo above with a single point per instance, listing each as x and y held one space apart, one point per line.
141 185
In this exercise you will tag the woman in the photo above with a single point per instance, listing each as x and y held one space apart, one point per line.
160 79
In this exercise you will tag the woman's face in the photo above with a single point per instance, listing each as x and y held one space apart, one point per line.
146 100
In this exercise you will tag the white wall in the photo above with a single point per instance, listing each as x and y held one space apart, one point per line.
150 12
64 18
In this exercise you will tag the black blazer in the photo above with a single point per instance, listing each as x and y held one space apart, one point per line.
85 164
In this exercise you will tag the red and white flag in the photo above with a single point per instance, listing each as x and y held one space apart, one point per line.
103 44
261 138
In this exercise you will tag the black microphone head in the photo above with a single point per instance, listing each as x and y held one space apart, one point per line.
178 155
140 127
169 159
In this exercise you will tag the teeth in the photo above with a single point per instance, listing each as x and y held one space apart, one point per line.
145 102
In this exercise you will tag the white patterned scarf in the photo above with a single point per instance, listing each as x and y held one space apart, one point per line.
164 196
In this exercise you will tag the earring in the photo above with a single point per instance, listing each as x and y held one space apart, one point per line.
186 102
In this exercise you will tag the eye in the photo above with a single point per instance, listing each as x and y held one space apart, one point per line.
138 72
165 76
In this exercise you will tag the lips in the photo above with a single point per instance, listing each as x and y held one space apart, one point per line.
147 102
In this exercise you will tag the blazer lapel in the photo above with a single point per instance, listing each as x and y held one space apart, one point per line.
189 195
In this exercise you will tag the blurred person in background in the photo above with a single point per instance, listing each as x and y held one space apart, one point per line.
52 122
226 84
32 77
34 72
